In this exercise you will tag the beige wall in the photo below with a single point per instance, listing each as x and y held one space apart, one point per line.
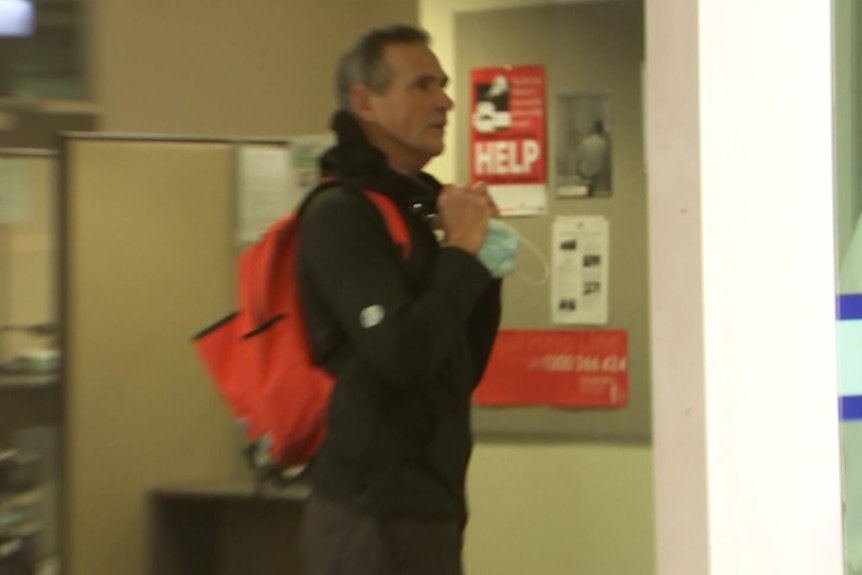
224 66
559 508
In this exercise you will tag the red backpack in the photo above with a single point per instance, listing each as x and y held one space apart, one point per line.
259 356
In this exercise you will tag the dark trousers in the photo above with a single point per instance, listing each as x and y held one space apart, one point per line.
338 540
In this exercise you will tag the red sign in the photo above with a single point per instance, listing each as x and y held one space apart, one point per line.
507 128
586 368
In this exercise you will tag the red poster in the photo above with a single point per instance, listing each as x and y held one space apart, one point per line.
507 131
585 368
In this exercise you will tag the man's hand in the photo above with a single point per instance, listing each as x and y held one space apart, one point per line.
463 213
481 188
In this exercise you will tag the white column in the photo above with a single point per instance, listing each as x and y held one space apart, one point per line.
739 100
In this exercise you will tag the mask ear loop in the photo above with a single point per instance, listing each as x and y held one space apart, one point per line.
545 264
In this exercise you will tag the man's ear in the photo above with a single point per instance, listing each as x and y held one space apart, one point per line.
361 102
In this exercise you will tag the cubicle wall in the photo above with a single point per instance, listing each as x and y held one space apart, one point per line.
147 262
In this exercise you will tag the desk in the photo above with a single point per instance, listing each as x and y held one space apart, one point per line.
225 529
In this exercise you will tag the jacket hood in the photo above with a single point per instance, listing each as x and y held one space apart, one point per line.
358 164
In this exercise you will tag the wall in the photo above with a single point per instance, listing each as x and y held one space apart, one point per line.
556 508
222 66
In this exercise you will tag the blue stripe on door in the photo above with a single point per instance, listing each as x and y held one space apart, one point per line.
850 407
849 306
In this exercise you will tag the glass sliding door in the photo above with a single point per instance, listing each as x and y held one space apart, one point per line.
848 225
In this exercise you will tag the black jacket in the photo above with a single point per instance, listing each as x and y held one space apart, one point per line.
407 340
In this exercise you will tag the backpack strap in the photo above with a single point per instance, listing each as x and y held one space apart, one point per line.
394 219
263 261
392 215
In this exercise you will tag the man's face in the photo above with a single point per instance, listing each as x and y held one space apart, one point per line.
408 119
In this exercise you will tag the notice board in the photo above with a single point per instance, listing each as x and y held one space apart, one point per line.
592 47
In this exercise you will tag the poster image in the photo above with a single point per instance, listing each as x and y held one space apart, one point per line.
583 151
507 136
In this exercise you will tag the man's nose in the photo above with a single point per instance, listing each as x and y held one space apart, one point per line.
444 102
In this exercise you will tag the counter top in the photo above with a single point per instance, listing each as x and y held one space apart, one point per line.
230 491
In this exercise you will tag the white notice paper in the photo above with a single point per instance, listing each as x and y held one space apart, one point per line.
306 155
267 187
520 200
13 190
579 290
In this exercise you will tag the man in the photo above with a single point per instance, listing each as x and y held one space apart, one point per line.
407 340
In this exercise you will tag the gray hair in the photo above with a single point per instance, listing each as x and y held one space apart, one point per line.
364 63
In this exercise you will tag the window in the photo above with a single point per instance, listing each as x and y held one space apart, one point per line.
42 49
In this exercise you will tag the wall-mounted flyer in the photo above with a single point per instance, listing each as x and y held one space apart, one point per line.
580 263
507 137
14 198
266 187
273 178
306 157
560 368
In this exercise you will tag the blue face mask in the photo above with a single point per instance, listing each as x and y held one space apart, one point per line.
497 253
